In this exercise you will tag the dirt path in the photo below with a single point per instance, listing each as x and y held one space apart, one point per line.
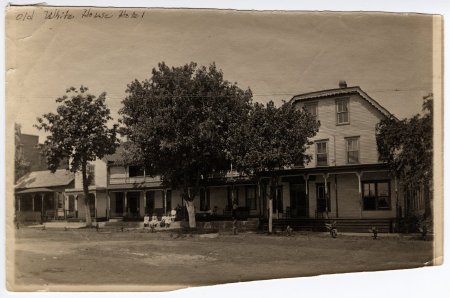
85 257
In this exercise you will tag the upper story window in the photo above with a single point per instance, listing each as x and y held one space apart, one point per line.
342 111
352 149
135 171
311 108
322 153
91 174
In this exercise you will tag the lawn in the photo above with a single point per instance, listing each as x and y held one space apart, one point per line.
80 257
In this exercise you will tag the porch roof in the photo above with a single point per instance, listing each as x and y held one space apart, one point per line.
332 169
45 179
139 186
80 190
34 190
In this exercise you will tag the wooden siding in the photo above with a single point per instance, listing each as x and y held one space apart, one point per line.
363 119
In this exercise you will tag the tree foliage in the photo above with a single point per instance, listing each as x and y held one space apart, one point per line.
179 123
78 131
407 146
273 138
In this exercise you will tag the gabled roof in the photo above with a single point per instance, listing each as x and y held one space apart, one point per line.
119 156
41 179
340 92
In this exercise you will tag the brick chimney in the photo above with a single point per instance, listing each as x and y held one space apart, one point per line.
342 84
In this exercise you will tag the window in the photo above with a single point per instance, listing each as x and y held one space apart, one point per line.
204 199
352 150
322 153
311 108
91 174
135 171
342 111
376 195
250 197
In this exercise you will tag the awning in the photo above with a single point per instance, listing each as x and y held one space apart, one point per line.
32 190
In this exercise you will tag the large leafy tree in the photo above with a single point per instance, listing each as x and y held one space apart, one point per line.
21 166
407 147
272 139
179 123
78 131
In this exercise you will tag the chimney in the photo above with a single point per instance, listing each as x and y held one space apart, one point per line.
342 84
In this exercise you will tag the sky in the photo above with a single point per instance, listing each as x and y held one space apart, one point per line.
275 54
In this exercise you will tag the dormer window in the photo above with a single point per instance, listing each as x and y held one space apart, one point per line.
311 108
342 111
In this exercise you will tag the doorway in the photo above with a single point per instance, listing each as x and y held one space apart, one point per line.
323 198
133 204
149 202
299 201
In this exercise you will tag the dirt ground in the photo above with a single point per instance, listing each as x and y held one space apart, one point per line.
81 257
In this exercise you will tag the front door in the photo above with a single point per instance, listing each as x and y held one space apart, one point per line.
92 205
323 198
149 202
133 203
299 201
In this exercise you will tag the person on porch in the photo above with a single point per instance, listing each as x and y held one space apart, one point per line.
146 221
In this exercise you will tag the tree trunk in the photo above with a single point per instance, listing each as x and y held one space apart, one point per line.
86 193
272 196
191 213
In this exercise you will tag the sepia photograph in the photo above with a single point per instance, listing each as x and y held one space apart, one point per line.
156 149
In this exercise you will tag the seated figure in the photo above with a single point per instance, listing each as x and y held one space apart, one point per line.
154 222
146 221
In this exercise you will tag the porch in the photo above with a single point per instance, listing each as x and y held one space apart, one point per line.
39 205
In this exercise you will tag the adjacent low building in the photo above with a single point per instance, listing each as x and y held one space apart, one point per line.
41 195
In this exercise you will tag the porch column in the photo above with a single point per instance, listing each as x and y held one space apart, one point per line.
336 195
142 209
108 203
18 203
165 201
32 201
358 174
306 178
325 178
125 198
42 204
75 205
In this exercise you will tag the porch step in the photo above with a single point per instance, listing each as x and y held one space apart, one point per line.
227 225
343 224
117 225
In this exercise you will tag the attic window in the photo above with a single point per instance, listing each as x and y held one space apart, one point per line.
311 108
342 111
